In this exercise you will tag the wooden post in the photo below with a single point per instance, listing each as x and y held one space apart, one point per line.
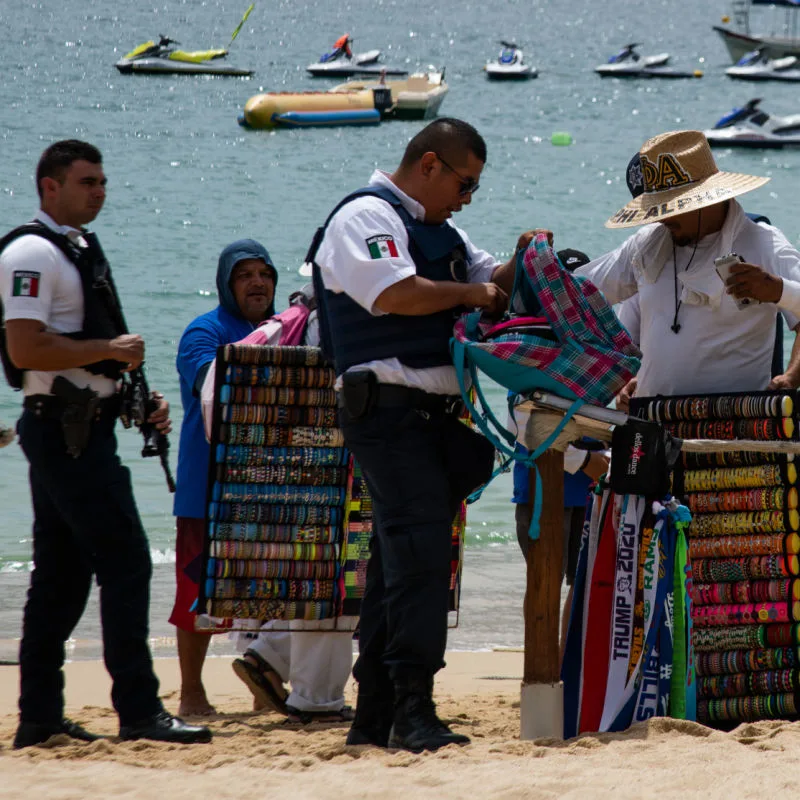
541 704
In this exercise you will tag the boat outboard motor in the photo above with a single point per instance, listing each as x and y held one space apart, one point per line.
738 114
382 98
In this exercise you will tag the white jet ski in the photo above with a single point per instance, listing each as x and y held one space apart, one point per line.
341 63
629 64
756 66
751 127
510 65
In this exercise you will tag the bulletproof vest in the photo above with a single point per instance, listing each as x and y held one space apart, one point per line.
99 319
350 335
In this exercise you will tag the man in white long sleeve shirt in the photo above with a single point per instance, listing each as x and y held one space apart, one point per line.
693 337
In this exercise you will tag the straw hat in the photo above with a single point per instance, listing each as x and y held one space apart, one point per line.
679 175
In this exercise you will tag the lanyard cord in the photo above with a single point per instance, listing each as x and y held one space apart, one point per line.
675 327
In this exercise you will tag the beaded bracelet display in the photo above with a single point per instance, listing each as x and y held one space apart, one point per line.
743 522
735 406
310 476
745 545
266 493
744 568
282 456
747 683
252 532
275 514
706 480
279 415
264 354
280 395
734 458
231 568
747 709
280 436
271 609
728 662
300 551
764 499
756 429
704 594
745 614
746 637
277 588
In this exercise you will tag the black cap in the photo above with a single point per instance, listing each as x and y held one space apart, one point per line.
634 177
572 259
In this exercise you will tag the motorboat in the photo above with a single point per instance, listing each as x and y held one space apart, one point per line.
750 126
510 65
417 97
340 62
164 58
743 37
758 66
627 63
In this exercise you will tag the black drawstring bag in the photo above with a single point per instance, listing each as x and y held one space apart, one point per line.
642 457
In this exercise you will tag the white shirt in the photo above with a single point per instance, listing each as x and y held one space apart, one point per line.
346 265
719 347
37 281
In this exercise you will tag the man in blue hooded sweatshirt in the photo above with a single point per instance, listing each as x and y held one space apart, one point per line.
246 279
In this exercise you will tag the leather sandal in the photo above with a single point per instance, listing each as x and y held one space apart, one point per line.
298 717
256 680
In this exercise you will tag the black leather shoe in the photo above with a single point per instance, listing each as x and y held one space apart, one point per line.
373 720
163 727
31 733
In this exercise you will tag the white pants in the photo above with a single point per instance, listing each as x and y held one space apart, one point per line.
317 665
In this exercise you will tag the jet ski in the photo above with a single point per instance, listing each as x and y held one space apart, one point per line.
510 65
341 63
757 66
629 64
163 58
750 126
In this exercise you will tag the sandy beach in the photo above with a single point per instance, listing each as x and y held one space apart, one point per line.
255 755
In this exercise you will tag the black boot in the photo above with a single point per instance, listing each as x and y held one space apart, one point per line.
416 726
374 715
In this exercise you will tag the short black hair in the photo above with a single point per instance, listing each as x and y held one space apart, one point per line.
449 137
60 156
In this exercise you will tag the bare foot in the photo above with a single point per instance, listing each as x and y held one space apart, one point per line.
195 704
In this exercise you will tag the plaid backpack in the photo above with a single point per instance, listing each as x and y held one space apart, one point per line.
579 351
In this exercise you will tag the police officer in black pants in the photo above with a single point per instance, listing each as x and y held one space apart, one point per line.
392 274
63 347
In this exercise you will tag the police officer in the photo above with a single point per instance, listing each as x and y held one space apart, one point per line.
393 273
63 349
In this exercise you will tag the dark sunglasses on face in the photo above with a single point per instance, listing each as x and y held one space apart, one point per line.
468 185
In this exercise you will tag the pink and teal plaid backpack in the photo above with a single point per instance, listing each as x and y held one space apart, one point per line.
577 349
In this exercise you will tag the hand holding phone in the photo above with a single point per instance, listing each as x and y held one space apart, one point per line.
723 266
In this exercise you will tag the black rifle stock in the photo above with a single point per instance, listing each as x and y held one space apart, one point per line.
137 402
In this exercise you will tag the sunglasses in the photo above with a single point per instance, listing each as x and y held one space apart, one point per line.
468 185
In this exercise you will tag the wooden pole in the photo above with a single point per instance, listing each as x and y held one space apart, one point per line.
541 706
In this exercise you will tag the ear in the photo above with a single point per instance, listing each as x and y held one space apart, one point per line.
48 186
429 163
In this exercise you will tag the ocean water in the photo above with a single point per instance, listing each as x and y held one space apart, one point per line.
184 180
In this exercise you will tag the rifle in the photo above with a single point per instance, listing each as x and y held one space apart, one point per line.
137 402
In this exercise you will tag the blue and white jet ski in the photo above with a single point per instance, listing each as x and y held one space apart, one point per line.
749 126
340 62
510 65
757 66
629 64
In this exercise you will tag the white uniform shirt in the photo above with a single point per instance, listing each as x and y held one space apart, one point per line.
37 281
719 348
347 265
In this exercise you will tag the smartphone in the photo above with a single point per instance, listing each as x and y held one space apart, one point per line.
723 266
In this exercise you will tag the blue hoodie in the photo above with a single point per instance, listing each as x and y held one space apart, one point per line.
196 350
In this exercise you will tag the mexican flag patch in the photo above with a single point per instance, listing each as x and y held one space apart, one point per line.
26 284
382 246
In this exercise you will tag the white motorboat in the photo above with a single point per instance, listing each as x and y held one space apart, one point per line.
510 65
758 66
750 126
778 36
629 64
417 97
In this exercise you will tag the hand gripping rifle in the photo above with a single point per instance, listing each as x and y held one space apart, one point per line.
137 402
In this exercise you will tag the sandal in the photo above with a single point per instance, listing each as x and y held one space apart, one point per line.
298 717
256 680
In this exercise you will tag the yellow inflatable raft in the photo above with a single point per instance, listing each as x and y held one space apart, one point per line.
274 109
